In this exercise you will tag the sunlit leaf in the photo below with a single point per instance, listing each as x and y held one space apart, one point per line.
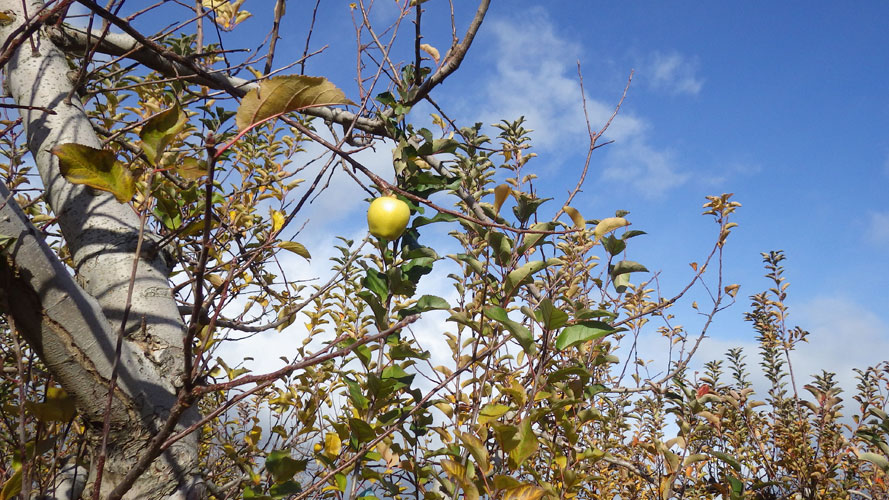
519 276
97 168
519 332
583 332
192 168
282 94
609 224
527 444
579 221
12 486
296 248
491 412
57 407
878 460
524 492
477 449
278 220
332 444
501 192
627 266
551 316
160 130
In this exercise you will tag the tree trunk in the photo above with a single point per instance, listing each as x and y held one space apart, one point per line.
72 324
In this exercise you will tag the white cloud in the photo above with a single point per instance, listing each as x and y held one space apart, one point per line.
650 171
673 73
843 335
536 77
878 228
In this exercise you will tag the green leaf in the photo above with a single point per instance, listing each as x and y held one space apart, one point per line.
438 217
192 168
524 273
551 316
282 94
341 481
361 430
613 245
397 374
97 168
520 333
296 248
878 460
491 412
583 332
621 282
627 266
737 488
725 457
282 466
376 306
375 281
356 394
285 489
531 240
507 436
471 261
426 303
526 206
527 445
502 247
160 130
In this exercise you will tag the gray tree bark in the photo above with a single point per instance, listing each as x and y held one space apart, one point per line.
72 322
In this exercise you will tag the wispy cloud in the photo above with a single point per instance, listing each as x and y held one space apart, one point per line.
878 228
672 72
650 171
535 76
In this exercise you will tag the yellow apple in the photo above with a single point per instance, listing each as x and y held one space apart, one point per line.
387 217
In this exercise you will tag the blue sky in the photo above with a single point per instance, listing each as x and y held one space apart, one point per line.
784 104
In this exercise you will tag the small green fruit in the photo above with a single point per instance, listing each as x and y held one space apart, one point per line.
387 217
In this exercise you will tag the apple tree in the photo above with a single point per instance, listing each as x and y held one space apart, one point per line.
153 179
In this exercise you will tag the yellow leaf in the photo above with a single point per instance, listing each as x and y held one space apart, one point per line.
524 492
6 18
579 221
215 280
12 486
432 51
58 406
295 247
192 168
97 168
501 192
277 220
609 224
332 445
253 436
282 94
456 470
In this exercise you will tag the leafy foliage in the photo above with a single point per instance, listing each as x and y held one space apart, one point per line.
531 387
